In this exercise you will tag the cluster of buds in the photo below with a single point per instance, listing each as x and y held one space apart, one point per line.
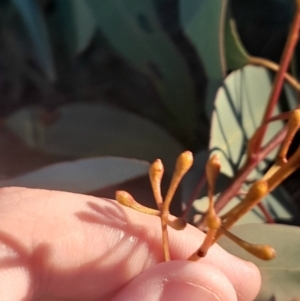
217 226
156 171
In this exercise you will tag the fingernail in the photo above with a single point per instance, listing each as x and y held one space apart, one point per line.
187 291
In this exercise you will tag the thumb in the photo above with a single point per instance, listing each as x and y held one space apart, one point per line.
14 284
179 280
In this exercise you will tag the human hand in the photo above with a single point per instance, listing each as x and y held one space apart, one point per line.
63 246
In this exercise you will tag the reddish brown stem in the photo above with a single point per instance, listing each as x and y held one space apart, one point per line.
258 153
266 213
240 178
279 79
245 171
281 116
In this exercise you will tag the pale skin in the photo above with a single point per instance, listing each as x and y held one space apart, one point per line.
63 246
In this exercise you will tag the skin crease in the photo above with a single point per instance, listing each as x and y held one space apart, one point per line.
63 246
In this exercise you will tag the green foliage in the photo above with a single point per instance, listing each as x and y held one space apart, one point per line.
71 133
36 25
79 25
197 19
82 176
196 16
138 35
239 107
126 23
281 275
236 54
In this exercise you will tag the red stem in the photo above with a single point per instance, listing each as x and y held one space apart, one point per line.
266 213
279 79
234 188
281 116
258 153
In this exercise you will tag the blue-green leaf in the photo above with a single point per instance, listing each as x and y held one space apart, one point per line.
239 107
85 130
79 24
236 54
203 23
132 28
81 176
280 276
37 29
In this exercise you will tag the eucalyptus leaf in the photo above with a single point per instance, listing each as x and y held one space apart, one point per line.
203 23
239 107
98 176
18 158
236 54
280 276
37 29
79 24
81 176
132 28
86 130
237 57
84 23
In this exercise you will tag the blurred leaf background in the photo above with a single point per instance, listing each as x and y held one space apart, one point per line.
88 87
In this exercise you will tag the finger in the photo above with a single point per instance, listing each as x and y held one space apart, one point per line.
14 284
90 248
15 281
179 280
244 276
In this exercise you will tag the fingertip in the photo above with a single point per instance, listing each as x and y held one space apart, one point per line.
251 286
15 284
179 280
244 276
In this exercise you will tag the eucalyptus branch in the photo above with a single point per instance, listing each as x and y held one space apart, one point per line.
243 173
255 151
217 226
279 79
